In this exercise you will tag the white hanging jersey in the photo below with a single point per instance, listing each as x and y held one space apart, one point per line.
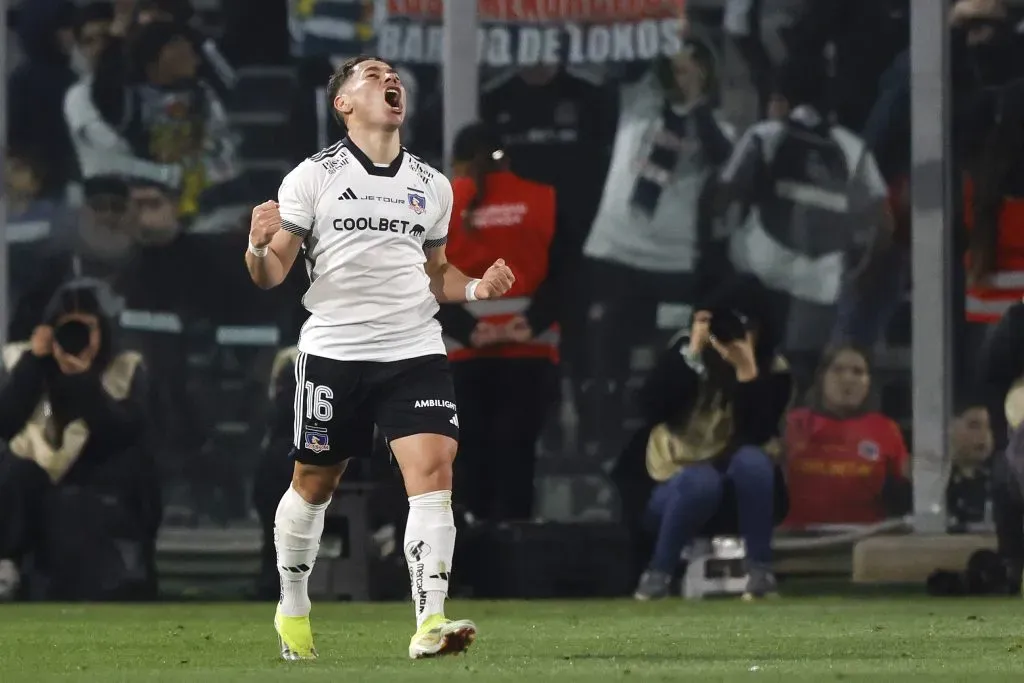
366 228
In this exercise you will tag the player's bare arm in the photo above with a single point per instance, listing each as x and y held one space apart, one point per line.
450 285
272 251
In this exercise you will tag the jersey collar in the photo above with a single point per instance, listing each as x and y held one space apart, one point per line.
389 171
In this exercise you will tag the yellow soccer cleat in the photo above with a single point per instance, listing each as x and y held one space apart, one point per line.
295 637
439 636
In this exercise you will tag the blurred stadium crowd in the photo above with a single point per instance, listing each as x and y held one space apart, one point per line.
756 160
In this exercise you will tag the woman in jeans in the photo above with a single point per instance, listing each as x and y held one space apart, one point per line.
715 403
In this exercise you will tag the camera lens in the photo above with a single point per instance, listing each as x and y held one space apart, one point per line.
72 336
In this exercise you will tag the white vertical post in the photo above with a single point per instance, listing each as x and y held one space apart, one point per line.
323 119
461 71
4 271
933 260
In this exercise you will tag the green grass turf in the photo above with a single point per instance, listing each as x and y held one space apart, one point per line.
824 639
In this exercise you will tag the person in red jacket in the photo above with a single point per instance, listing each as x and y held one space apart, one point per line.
847 462
513 343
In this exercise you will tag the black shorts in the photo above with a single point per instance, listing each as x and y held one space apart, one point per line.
337 403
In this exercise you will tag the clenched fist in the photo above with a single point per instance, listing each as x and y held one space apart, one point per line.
496 281
266 222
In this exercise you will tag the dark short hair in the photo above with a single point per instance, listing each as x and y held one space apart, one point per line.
801 81
94 11
474 141
341 76
105 186
833 351
971 401
151 40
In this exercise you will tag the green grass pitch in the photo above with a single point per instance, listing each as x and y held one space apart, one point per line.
824 639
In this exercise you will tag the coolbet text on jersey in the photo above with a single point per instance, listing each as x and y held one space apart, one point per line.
366 228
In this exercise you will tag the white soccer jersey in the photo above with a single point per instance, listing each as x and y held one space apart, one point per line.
366 228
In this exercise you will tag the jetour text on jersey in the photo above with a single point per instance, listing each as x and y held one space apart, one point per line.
380 224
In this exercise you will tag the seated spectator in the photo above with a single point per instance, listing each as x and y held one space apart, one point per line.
714 409
161 124
157 221
36 216
967 494
79 503
29 182
847 462
107 233
98 242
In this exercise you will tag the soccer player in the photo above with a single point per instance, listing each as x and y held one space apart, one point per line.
372 221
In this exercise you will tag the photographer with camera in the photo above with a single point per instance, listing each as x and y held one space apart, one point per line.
79 498
714 405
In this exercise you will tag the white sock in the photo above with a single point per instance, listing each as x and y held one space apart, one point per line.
297 529
429 547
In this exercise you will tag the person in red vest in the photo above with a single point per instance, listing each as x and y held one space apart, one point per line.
994 213
847 462
512 344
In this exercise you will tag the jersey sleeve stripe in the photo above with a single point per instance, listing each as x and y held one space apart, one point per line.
434 244
294 228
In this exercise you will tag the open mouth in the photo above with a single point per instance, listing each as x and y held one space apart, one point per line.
393 96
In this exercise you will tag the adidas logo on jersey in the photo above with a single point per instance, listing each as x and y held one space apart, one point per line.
348 194
455 420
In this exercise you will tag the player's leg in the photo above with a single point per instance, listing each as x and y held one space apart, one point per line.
416 410
426 464
298 525
329 429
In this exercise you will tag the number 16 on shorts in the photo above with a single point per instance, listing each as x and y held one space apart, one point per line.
318 407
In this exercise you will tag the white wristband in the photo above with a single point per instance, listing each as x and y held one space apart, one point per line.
258 252
471 289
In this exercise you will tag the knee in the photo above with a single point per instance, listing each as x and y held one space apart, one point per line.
752 464
431 468
698 482
21 474
315 484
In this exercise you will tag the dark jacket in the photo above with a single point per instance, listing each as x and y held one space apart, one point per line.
36 88
96 421
671 392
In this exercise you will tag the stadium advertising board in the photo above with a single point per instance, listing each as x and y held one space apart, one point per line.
534 32
512 33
